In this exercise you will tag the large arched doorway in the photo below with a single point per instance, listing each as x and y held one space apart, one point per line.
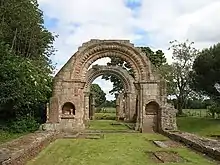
71 82
127 110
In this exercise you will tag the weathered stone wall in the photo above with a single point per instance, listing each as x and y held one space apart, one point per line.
168 117
210 147
72 82
19 151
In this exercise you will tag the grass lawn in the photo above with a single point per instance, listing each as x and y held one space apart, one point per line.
201 126
114 149
105 116
7 136
110 110
106 125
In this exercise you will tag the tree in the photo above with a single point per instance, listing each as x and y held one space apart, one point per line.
111 103
206 71
25 48
183 57
99 94
157 59
22 28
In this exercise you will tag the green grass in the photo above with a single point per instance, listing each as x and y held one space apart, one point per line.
106 125
105 116
7 136
110 110
200 126
114 149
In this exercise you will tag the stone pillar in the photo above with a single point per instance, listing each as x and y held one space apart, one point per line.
163 92
47 109
137 125
126 107
141 105
121 106
86 106
138 107
92 117
118 107
54 116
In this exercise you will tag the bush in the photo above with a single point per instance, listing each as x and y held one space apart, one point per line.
24 124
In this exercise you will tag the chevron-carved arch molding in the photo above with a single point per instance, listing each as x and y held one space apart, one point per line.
119 72
91 52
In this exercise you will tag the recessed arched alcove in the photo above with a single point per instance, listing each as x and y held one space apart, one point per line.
152 108
68 108
151 117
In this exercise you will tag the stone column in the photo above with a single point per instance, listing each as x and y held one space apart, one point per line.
126 107
54 116
138 107
141 105
47 109
117 107
121 105
93 108
86 106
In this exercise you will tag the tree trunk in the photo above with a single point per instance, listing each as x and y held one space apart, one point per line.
213 115
14 39
179 106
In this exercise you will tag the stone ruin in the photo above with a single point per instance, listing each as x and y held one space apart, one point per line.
143 100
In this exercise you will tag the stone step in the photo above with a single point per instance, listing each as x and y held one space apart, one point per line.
119 131
160 144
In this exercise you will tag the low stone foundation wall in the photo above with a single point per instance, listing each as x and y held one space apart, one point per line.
210 147
19 151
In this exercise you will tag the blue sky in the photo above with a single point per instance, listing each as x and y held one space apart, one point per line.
150 23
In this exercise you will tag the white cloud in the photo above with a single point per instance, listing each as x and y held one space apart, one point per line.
163 20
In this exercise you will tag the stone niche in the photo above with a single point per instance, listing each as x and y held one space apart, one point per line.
151 117
68 110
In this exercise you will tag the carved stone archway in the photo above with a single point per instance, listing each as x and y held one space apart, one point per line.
127 81
71 85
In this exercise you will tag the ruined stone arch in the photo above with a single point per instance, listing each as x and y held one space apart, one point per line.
71 85
96 49
127 81
119 72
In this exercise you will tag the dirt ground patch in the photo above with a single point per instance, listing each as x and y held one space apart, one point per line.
167 144
171 144
166 157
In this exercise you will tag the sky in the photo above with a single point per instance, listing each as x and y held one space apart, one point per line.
152 23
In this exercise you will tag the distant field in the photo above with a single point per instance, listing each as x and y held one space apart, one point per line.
196 112
199 125
106 114
108 110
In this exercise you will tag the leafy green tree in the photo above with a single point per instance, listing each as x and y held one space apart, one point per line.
25 77
23 84
111 103
22 29
206 71
157 59
99 94
183 57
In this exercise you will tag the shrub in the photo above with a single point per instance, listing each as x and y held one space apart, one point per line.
24 124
